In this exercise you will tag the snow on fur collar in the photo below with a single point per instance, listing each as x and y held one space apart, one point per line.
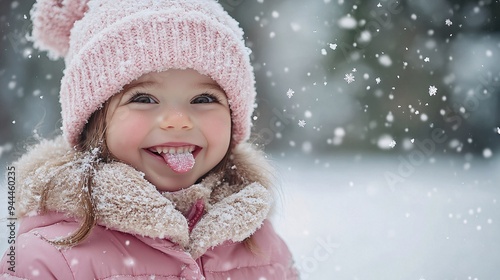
127 202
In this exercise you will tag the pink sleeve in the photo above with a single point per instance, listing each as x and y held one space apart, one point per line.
35 258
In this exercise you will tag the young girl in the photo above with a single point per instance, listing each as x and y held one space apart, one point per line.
153 177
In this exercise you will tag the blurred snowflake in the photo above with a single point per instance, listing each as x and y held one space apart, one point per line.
302 123
448 22
290 93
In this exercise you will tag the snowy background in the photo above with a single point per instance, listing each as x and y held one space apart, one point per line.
382 117
342 220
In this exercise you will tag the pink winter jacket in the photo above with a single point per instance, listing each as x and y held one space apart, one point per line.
110 254
140 232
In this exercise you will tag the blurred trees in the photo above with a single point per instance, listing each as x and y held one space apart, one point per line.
397 51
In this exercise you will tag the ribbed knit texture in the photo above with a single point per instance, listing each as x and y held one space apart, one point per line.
107 44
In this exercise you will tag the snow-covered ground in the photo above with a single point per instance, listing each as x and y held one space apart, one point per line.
343 220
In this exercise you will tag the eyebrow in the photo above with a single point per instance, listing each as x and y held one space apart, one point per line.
212 86
136 84
132 85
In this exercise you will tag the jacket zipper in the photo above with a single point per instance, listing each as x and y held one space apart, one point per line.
200 265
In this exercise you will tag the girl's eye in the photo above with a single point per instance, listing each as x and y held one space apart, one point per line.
142 98
205 98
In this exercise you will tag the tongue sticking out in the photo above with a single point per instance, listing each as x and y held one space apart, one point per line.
179 162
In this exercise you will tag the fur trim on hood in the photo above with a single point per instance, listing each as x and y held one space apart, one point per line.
125 201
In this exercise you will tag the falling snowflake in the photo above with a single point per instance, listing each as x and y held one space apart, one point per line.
448 22
290 93
378 80
392 144
386 142
432 90
302 123
354 70
333 46
426 59
497 130
349 78
379 5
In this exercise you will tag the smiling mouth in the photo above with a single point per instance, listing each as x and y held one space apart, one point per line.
180 159
172 150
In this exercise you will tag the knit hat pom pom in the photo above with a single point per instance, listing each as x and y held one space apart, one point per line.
52 24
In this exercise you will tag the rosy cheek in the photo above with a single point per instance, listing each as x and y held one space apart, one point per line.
126 130
218 124
121 114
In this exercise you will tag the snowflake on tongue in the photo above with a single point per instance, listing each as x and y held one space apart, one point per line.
180 162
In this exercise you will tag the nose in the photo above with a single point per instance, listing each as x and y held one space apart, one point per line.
176 119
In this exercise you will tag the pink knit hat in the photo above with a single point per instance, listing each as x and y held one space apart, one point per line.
107 44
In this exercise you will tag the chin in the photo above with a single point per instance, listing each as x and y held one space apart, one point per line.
172 185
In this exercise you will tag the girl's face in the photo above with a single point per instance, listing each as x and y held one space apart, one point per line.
161 121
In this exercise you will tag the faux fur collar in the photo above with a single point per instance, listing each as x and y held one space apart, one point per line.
126 202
